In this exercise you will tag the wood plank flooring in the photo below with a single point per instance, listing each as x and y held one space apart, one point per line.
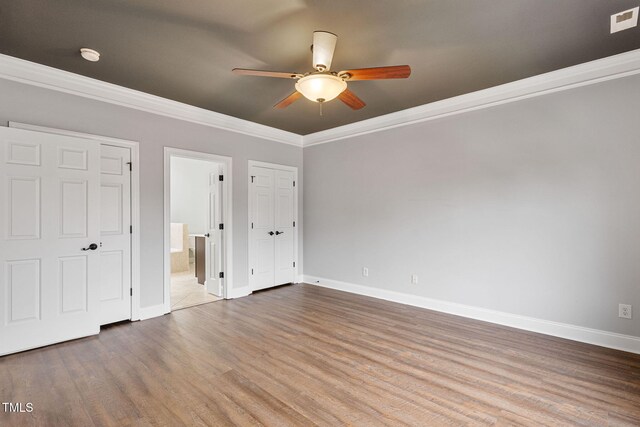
303 355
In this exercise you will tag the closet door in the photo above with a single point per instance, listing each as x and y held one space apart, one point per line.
49 242
283 226
115 234
262 228
272 230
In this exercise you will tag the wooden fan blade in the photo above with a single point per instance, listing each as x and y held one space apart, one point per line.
288 100
263 73
378 73
351 99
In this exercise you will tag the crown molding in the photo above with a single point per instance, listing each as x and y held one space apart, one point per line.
31 73
612 67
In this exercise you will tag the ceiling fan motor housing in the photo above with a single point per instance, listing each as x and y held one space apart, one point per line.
324 43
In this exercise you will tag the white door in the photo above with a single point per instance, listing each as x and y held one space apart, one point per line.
262 224
272 227
115 234
283 225
49 251
213 236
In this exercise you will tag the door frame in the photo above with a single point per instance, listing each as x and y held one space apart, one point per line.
227 215
134 146
250 245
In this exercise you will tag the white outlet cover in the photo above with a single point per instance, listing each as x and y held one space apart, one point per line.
624 20
625 311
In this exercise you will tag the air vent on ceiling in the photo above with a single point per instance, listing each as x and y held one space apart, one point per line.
624 20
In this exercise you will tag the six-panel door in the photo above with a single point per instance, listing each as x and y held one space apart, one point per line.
50 212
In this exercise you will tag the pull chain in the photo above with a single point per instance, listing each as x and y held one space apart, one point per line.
320 101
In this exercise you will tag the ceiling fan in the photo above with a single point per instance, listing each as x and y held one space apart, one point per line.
322 84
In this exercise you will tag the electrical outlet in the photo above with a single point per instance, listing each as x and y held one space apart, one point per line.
414 279
365 271
625 311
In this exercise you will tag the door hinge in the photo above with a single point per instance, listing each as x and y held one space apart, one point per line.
252 176
294 263
220 177
130 292
131 229
294 223
252 271
294 183
220 226
221 275
130 166
252 226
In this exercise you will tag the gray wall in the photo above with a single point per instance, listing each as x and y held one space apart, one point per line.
38 106
530 208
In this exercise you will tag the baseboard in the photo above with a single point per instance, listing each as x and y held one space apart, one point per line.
556 329
239 292
152 311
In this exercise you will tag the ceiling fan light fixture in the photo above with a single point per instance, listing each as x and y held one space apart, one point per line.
320 87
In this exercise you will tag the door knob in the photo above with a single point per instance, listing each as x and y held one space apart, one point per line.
271 233
91 247
207 235
279 232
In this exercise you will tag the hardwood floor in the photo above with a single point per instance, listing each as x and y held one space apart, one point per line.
303 355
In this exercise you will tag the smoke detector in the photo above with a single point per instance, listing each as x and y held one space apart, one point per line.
624 20
90 54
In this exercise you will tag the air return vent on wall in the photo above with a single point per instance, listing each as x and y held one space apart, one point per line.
624 20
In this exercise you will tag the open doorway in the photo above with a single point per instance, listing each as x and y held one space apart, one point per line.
195 254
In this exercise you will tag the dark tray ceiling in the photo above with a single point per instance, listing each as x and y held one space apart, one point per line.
185 50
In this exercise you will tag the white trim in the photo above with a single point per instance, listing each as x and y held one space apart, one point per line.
600 70
276 166
153 311
296 216
63 81
613 67
239 292
556 329
227 217
134 146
